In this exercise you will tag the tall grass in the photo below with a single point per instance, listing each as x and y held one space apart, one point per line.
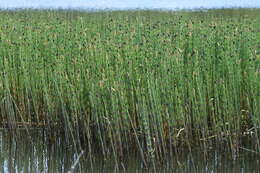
143 81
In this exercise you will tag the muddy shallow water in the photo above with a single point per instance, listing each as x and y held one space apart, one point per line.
31 152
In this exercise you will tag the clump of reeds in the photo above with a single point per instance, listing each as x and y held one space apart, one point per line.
150 82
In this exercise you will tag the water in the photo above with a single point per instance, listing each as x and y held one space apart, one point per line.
132 4
38 154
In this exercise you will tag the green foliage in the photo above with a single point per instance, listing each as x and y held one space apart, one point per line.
141 78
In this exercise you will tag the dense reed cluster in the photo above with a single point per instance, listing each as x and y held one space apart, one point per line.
145 81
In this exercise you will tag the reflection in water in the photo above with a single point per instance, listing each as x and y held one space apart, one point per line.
35 153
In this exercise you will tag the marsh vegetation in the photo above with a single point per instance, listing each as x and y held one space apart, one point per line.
149 82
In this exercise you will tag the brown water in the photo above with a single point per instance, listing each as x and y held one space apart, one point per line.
24 153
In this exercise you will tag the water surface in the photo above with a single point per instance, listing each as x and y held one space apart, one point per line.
35 153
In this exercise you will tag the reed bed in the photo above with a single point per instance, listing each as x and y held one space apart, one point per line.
144 81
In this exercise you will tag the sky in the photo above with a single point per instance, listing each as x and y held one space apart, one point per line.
129 4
